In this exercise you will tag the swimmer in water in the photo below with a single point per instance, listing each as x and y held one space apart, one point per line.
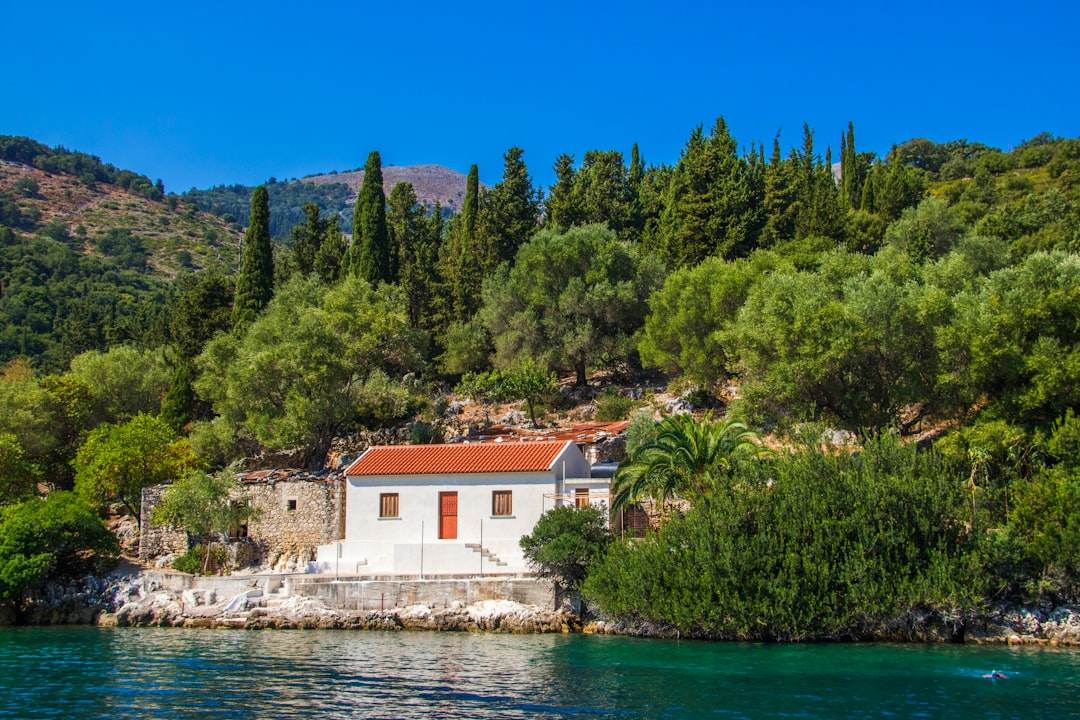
995 675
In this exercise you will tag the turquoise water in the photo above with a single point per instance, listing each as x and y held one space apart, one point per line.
184 673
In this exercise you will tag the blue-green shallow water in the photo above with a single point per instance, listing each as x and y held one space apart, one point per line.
183 673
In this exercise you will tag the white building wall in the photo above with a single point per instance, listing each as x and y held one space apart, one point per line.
410 543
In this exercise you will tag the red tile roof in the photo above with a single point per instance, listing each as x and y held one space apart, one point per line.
461 458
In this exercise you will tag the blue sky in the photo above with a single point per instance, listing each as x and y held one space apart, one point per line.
200 94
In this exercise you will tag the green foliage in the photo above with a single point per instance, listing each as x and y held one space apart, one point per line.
371 257
689 315
1015 338
57 303
296 377
191 562
565 543
59 159
927 231
129 251
1046 519
686 458
813 544
51 538
117 461
525 381
201 503
529 382
852 341
709 201
509 214
201 307
287 204
611 405
422 433
18 476
122 382
48 416
568 299
468 348
255 283
416 238
642 430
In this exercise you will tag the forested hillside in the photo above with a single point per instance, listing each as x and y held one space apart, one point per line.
334 193
932 293
87 252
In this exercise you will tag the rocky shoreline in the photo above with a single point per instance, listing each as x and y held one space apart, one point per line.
1001 625
132 599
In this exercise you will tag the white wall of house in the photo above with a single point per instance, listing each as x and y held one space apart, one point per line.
410 543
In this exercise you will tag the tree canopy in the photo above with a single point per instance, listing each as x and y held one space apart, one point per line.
570 298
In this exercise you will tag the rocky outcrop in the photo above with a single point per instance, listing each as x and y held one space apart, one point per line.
1001 625
1012 625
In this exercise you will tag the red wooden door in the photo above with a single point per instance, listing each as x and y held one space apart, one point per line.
447 515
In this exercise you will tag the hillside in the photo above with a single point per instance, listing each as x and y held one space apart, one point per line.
334 193
102 219
430 182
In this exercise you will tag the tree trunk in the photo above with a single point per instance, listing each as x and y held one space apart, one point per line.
317 458
579 368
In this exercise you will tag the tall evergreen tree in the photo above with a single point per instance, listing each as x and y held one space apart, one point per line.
818 205
602 181
255 283
331 255
459 255
307 238
509 213
853 170
562 208
635 177
708 202
782 195
371 256
471 207
414 236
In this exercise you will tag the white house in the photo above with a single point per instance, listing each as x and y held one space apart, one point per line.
454 509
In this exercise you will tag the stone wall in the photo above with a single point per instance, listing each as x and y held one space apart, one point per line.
158 540
295 513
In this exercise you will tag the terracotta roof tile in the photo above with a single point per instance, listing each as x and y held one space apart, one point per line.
461 458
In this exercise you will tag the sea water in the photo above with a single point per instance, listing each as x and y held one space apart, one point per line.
84 672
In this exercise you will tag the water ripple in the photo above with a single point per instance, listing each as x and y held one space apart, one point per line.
179 674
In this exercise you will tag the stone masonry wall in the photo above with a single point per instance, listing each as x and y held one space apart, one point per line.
294 517
158 540
295 513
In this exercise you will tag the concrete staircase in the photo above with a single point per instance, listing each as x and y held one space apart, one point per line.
486 554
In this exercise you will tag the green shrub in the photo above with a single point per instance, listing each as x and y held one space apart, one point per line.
190 562
612 406
813 544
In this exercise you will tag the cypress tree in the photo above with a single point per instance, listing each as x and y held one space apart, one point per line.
255 283
458 256
635 176
471 206
371 256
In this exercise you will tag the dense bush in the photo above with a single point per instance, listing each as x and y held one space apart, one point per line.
817 543
53 538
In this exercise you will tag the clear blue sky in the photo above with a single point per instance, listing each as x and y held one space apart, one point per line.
200 94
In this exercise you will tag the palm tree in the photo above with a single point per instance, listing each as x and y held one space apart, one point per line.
681 459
